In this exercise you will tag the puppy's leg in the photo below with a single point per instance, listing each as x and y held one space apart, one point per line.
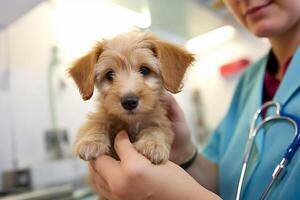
92 141
155 144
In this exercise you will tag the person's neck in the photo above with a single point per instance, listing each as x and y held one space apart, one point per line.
284 47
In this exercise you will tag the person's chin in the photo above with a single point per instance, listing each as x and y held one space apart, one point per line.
265 30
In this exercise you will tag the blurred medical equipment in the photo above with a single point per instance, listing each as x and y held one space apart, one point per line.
254 129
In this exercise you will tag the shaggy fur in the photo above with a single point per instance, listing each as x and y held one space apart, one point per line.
132 64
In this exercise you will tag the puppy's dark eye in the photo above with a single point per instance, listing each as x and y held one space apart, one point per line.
110 75
144 71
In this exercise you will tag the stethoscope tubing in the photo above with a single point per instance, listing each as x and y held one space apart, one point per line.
254 129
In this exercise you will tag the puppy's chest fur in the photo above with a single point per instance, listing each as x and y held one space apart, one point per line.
155 118
132 128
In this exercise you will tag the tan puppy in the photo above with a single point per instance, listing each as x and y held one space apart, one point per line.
131 72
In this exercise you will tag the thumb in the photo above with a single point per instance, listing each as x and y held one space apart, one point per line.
124 147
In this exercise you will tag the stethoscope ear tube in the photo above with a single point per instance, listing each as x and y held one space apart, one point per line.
290 152
293 147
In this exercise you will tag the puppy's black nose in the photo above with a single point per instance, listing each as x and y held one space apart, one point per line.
130 102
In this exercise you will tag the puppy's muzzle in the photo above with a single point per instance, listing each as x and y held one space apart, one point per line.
130 102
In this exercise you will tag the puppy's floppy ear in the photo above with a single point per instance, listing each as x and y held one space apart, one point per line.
174 61
83 72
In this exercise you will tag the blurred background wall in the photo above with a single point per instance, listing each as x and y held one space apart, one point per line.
38 44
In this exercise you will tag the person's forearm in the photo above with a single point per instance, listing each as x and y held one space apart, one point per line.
205 173
188 188
190 191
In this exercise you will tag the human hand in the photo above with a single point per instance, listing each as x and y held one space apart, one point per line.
134 177
182 147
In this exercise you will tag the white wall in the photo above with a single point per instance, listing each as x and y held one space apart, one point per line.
2 50
5 115
30 41
25 47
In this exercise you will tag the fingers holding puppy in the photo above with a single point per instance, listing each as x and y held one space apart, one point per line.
98 183
112 177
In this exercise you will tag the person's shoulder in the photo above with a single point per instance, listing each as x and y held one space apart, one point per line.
252 71
248 80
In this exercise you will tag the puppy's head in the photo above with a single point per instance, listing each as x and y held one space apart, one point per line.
130 72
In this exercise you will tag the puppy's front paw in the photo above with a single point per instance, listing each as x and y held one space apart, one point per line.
91 147
155 151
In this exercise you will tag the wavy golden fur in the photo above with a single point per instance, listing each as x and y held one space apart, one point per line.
138 65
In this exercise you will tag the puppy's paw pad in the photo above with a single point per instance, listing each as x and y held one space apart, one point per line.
87 150
156 152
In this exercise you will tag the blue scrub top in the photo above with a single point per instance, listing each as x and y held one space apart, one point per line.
227 143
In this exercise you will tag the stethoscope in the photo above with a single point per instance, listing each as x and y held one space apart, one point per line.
254 129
